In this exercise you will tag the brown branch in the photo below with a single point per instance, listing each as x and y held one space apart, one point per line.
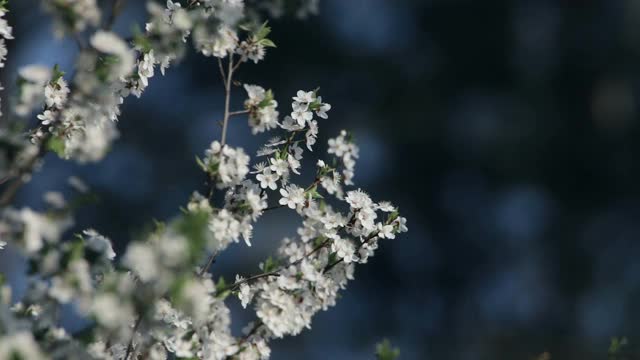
211 261
133 334
239 112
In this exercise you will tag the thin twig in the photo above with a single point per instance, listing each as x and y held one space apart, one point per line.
332 265
133 334
277 271
212 259
274 207
222 74
239 112
116 9
251 278
233 113
227 100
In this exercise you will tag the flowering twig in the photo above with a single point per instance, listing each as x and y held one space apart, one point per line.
276 272
210 261
133 334
333 264
239 112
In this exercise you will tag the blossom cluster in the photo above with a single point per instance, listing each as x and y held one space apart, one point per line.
158 299
5 34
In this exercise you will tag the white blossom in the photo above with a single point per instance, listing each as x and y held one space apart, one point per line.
32 80
292 196
219 43
232 164
111 44
55 93
268 179
20 345
73 15
344 250
142 259
99 244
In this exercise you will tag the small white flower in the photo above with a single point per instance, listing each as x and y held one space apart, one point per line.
55 94
47 117
20 345
292 197
279 166
401 222
294 163
145 68
110 43
312 134
225 228
304 96
344 250
256 94
245 293
386 231
268 179
385 206
322 110
302 116
99 243
358 199
142 260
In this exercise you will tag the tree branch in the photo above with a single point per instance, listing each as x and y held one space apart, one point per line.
116 9
227 100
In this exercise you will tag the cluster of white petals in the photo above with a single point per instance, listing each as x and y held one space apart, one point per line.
262 108
73 16
5 34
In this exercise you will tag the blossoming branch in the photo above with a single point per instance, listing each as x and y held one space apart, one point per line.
159 300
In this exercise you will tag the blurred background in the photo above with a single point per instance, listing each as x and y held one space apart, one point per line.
506 131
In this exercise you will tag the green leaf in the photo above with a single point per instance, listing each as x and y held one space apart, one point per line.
75 251
56 145
175 290
222 288
314 193
333 257
201 164
222 284
57 73
384 351
193 225
263 31
140 40
268 98
319 240
267 42
270 264
617 344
